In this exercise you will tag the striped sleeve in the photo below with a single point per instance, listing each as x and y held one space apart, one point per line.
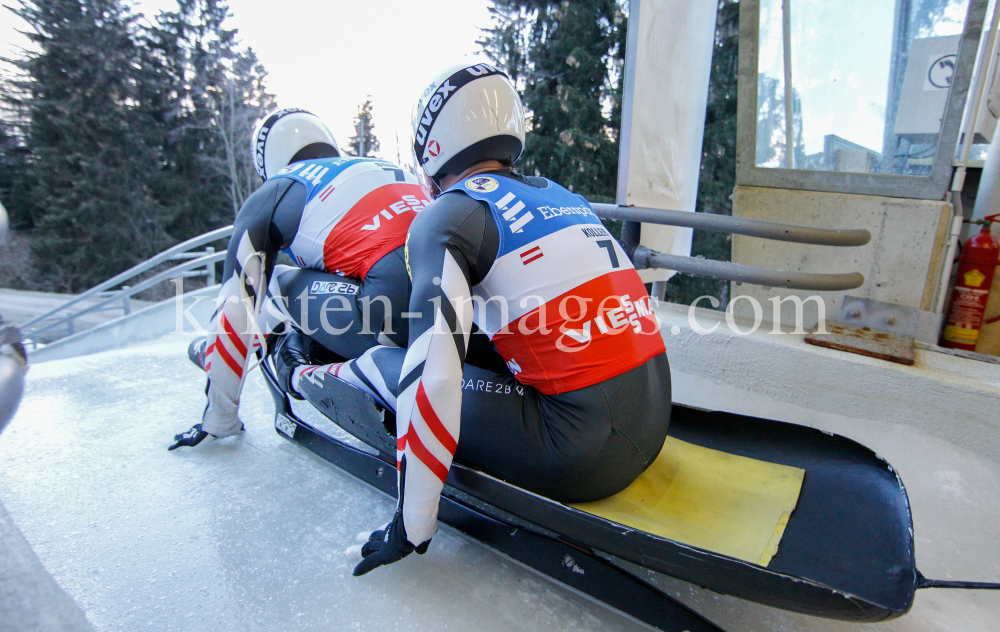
430 397
249 262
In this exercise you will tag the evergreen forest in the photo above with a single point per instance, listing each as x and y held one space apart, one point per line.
121 135
567 59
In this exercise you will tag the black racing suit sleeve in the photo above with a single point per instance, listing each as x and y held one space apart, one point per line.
269 219
451 246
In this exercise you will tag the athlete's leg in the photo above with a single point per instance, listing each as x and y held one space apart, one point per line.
376 372
272 318
383 298
578 446
324 307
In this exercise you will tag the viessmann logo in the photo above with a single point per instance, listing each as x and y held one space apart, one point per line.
515 223
407 203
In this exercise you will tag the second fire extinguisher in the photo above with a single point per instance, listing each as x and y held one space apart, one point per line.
972 290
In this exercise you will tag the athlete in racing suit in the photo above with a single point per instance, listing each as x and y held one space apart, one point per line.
553 392
344 221
555 401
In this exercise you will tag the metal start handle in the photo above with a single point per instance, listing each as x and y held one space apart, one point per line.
776 231
646 258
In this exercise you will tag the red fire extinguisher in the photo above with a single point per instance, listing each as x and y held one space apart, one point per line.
972 289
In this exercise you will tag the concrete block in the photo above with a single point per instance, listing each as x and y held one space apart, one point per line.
901 264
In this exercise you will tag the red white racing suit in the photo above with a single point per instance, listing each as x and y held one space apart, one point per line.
341 215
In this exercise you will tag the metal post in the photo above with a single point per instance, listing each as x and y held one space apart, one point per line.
631 233
209 268
786 19
659 291
126 300
779 231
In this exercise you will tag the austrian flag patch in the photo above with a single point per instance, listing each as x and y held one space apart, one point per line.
532 254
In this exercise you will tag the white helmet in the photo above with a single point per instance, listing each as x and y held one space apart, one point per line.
469 113
287 136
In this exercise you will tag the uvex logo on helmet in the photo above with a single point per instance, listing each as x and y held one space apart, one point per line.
260 138
440 96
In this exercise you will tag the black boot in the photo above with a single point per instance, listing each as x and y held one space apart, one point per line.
292 351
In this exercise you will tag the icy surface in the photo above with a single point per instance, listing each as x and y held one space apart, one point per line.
249 532
246 533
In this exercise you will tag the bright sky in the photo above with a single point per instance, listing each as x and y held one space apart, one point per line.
841 54
327 56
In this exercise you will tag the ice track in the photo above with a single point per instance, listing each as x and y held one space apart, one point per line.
249 533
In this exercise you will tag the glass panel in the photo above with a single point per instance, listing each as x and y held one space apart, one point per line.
869 83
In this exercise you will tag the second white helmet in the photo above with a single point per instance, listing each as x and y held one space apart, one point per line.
468 113
287 136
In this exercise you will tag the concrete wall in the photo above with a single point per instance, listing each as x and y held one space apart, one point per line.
901 264
30 598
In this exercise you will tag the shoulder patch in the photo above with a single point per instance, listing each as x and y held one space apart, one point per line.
481 184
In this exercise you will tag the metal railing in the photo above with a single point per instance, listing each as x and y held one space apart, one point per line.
644 258
196 264
202 264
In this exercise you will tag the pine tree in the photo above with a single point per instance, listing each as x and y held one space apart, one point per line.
568 48
364 142
129 137
506 42
190 50
91 147
15 183
567 60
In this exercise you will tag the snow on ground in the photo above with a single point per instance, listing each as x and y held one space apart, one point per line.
249 533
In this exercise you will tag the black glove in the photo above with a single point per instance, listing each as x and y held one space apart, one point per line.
189 438
196 351
194 436
291 351
386 546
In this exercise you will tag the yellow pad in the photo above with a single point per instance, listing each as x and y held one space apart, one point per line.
708 499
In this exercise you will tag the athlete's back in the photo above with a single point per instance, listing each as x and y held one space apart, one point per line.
345 217
355 211
561 302
571 414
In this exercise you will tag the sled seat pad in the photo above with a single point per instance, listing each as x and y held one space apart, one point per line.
711 500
